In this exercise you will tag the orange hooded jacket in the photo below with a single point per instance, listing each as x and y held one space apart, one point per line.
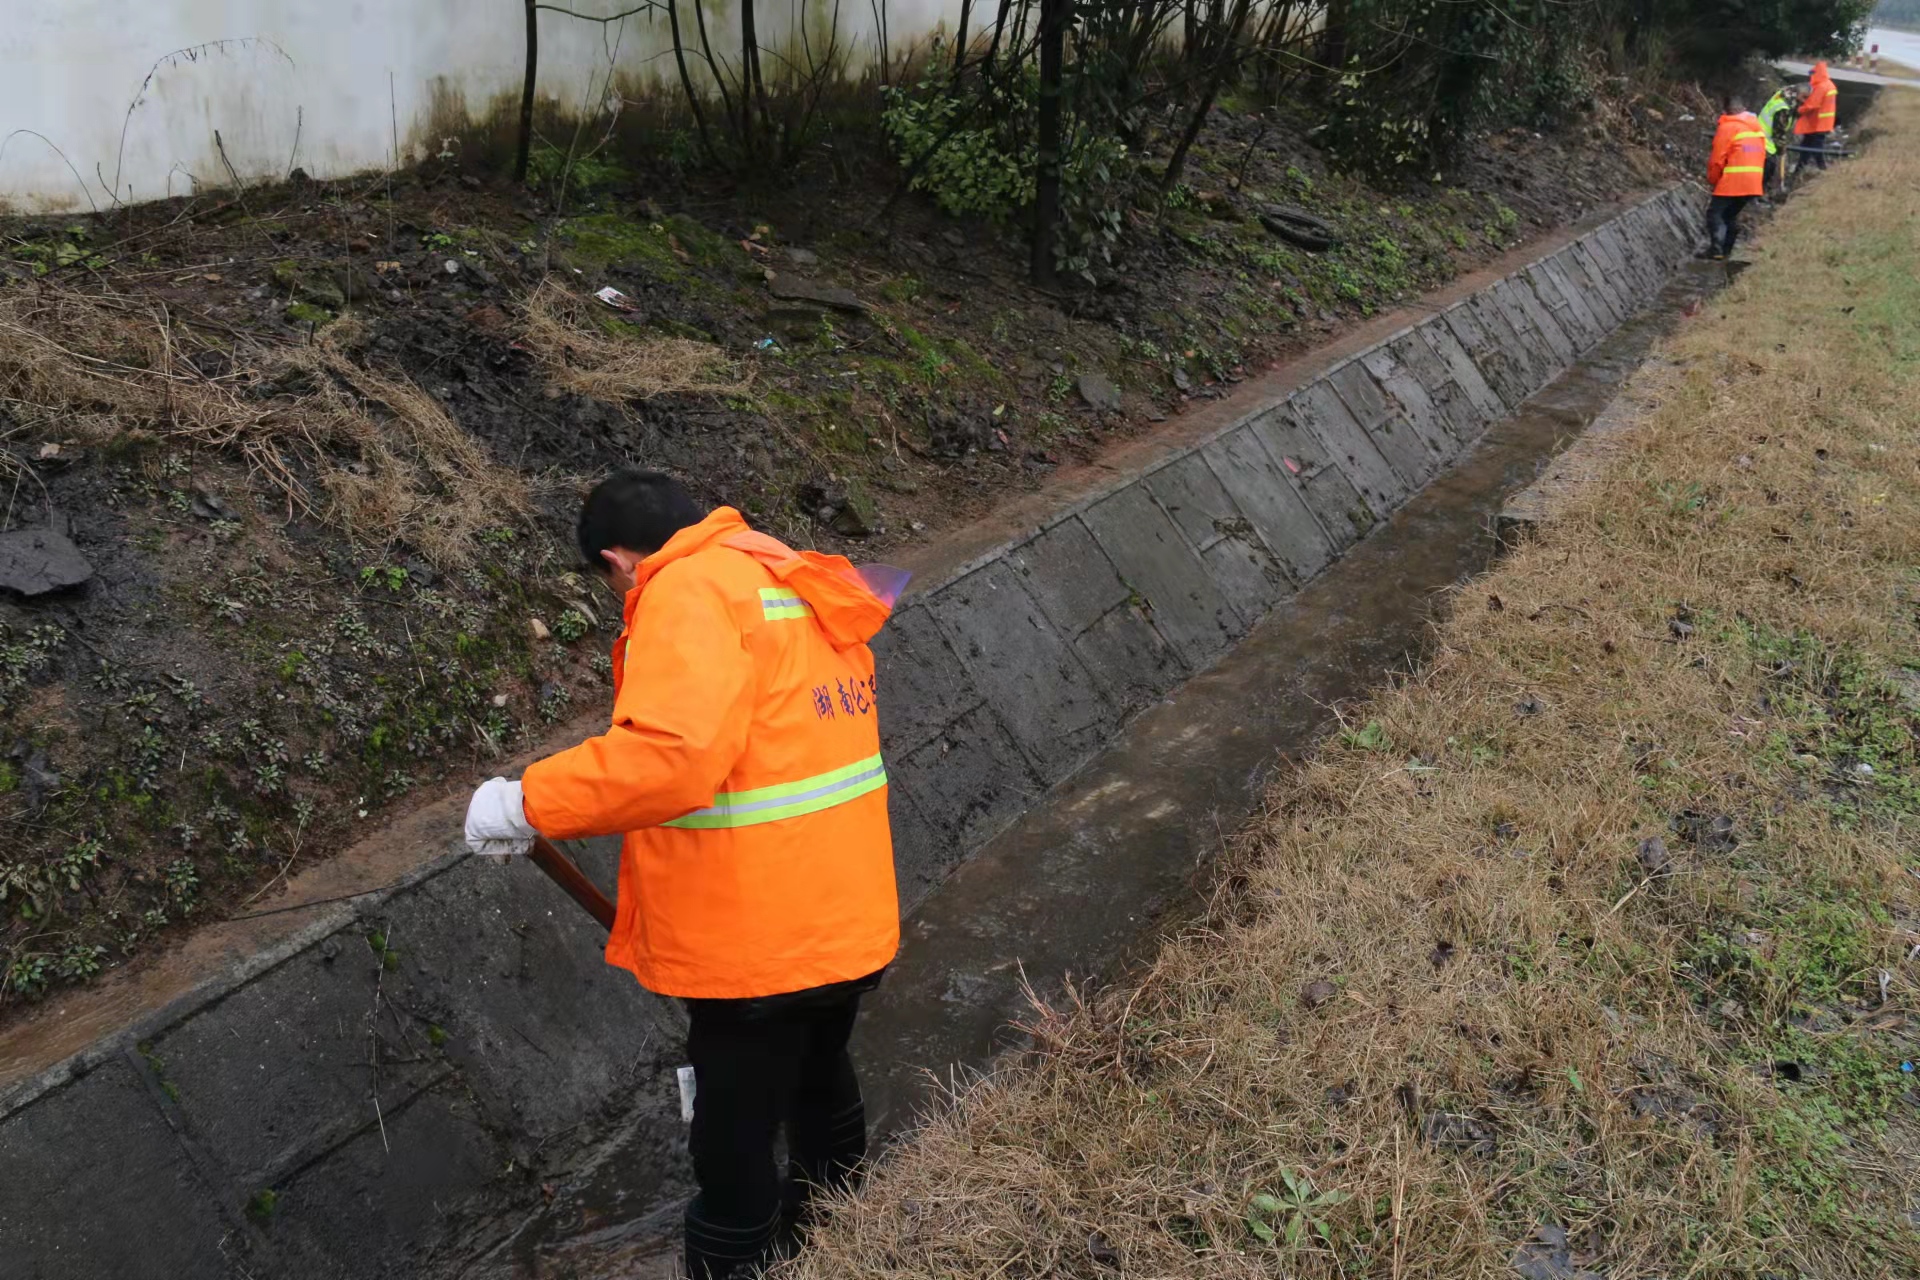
1821 108
1739 163
743 766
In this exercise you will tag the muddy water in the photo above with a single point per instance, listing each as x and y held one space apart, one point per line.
1088 878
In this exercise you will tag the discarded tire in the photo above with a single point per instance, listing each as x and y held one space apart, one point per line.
1298 227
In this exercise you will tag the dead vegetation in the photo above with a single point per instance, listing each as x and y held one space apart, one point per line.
371 453
1587 949
579 355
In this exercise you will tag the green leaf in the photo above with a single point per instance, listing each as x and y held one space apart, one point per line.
1261 1230
1295 1225
1573 1078
1327 1199
1265 1204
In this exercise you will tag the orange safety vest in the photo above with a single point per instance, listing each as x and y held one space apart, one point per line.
1821 110
743 766
1739 163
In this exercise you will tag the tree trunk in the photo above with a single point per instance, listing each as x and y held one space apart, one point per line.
1222 67
525 149
686 81
960 42
1054 17
1333 48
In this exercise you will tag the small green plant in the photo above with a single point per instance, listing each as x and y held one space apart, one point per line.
261 1204
1296 1215
391 576
439 241
80 858
571 626
183 882
1370 737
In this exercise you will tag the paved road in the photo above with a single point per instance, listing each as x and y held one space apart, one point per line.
1848 74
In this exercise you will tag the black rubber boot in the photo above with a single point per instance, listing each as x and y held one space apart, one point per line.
719 1252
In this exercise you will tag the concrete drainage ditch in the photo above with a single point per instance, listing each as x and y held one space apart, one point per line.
444 1078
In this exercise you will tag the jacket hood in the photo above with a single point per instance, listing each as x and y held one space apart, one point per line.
851 604
1819 70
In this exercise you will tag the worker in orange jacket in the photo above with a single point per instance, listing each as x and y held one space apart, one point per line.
1819 112
756 879
1737 173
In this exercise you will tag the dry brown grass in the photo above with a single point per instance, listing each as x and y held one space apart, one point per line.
563 332
388 461
1467 876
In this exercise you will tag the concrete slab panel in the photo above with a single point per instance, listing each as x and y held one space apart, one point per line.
378 1206
1550 283
1617 259
1408 403
1134 662
1565 349
1576 265
279 1071
1386 427
1213 524
1482 401
1066 570
1489 352
1543 360
1336 505
1037 686
93 1183
970 781
1528 369
542 985
1320 410
923 854
922 683
1070 576
1252 579
1186 606
1263 488
1194 500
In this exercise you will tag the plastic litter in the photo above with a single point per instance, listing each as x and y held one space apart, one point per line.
685 1077
615 299
766 344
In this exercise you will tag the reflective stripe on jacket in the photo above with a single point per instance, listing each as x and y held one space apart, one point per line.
743 766
1739 163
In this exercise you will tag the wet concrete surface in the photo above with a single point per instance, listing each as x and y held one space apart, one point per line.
1121 850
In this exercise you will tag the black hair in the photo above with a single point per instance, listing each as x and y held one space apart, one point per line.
637 510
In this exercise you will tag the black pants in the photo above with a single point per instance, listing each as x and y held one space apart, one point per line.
1801 158
1723 222
758 1065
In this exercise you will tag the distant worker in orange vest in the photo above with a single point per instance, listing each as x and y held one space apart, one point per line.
1737 173
756 878
1814 122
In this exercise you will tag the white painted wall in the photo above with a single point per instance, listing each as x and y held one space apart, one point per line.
345 75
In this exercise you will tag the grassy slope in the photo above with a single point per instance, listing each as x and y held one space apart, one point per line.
1525 1028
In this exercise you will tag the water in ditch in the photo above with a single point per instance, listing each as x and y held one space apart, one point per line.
1092 875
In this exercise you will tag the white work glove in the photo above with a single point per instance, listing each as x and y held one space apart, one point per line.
497 823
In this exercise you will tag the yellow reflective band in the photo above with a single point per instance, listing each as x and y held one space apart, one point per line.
1744 168
1739 136
779 603
788 799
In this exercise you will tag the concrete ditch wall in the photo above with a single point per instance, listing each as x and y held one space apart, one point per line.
1010 672
351 1102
